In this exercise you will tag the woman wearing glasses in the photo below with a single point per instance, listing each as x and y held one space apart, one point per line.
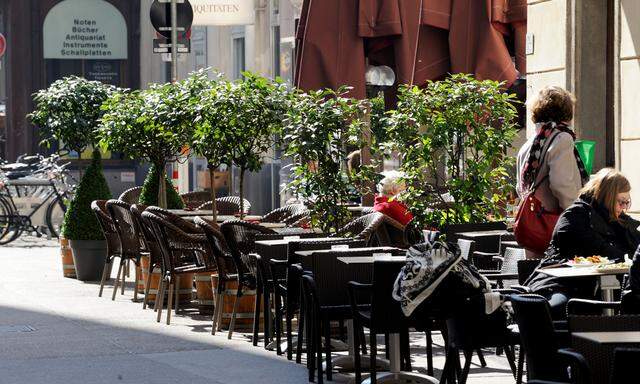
596 224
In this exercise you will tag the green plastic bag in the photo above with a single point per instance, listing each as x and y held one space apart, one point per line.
587 151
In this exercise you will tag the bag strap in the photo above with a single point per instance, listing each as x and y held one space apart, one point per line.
536 185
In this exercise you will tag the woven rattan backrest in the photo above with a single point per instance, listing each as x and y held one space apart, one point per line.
107 226
193 200
466 248
131 195
126 227
240 236
180 249
511 257
364 227
228 205
219 248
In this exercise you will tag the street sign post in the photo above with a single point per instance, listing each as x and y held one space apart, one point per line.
169 17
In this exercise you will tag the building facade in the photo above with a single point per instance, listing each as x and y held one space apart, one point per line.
592 48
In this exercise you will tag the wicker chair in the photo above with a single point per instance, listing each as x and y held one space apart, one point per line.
368 227
114 248
240 236
228 271
228 205
289 214
193 200
182 253
129 235
131 195
150 246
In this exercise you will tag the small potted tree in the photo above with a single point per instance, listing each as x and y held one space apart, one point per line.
68 112
452 137
153 125
319 128
209 138
244 119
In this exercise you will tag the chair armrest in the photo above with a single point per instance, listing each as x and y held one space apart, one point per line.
585 306
493 275
486 260
352 288
520 288
574 359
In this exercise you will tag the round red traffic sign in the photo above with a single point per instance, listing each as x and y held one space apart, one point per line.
3 45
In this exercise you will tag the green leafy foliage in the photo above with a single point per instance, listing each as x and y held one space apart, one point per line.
320 129
239 122
149 194
69 111
80 223
152 125
452 137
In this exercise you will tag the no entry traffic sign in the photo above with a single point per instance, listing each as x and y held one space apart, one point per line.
3 45
161 16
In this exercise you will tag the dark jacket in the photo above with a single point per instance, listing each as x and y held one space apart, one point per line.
585 229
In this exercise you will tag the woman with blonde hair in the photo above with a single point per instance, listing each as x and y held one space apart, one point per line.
596 224
548 164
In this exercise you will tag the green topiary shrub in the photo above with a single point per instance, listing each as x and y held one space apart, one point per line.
80 223
149 194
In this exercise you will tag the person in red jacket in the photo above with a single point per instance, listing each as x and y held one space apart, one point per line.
386 201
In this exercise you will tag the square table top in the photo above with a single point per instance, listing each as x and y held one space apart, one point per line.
370 259
287 239
381 249
492 232
580 272
625 337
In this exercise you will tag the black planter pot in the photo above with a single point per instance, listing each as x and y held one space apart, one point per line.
89 257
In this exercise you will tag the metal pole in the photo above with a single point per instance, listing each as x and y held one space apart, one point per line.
174 41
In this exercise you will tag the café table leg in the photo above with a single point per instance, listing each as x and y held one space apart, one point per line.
608 283
395 375
347 363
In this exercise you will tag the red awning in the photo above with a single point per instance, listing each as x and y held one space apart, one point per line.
420 39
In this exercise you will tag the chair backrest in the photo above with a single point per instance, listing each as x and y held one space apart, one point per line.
393 234
193 200
219 248
624 365
180 249
630 302
365 227
386 314
466 248
332 276
131 195
510 259
537 334
127 228
228 205
174 219
601 323
240 237
526 267
287 214
108 227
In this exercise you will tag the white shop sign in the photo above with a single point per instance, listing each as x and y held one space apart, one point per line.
223 12
85 29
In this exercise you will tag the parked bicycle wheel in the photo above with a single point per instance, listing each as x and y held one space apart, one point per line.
5 217
11 226
55 216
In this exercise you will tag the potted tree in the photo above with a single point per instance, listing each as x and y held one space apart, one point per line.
68 112
244 119
319 128
153 125
452 137
209 138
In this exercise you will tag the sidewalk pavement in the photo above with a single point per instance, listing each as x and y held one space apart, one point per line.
57 330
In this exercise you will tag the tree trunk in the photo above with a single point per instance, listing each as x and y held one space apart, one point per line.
242 193
162 187
212 172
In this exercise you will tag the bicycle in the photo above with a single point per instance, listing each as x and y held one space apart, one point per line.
35 203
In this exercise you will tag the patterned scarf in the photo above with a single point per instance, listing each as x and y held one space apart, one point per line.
531 168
